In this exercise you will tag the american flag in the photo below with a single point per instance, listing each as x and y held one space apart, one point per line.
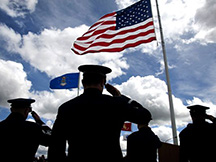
119 30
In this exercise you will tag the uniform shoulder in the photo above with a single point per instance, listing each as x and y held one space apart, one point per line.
121 98
70 102
186 129
32 125
133 135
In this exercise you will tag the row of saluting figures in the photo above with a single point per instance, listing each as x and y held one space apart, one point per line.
20 138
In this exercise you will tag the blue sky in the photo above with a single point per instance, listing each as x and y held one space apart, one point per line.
36 37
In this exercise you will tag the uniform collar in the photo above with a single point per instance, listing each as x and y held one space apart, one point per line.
15 116
92 91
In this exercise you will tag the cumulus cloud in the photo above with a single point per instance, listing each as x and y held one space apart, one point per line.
164 133
37 49
180 18
123 145
9 35
176 16
206 22
125 3
151 92
17 8
49 51
205 102
14 82
47 103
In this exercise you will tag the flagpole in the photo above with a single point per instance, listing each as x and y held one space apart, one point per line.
78 85
172 114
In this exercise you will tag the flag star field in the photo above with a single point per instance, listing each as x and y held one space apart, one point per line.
135 14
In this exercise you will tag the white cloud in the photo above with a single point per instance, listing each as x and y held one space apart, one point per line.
47 103
208 103
17 8
123 143
42 150
177 17
151 92
9 37
206 22
49 51
180 27
164 133
180 18
14 82
124 3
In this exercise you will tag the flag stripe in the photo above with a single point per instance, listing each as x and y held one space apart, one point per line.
118 38
108 17
146 37
102 43
117 48
111 34
116 45
97 32
118 30
105 22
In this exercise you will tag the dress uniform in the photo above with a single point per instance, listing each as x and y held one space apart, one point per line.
142 146
20 138
197 140
91 123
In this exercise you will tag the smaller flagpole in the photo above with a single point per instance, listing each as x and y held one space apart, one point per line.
78 85
172 114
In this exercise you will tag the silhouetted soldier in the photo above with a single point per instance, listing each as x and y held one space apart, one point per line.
20 138
91 123
198 139
142 145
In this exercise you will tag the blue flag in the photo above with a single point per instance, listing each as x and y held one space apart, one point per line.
65 81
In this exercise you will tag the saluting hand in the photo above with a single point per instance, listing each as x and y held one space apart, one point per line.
37 118
112 90
210 117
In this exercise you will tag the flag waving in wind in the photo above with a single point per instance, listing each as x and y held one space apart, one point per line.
127 126
116 31
66 81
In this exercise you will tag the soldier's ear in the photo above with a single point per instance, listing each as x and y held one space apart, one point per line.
103 82
26 112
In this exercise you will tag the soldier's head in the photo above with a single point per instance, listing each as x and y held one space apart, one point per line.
145 121
94 76
198 113
21 105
